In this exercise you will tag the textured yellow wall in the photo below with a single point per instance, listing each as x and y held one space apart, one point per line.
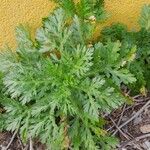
125 11
14 12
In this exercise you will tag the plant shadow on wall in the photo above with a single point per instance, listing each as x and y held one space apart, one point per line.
58 86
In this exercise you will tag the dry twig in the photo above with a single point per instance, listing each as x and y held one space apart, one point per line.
12 139
21 144
121 115
31 144
134 140
119 129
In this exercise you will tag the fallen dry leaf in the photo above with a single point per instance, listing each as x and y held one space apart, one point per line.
145 128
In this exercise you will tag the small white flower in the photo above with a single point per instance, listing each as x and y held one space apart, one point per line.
123 63
92 18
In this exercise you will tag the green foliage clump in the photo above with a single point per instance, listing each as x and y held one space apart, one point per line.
57 87
144 20
140 66
85 9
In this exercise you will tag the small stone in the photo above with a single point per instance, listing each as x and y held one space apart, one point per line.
145 128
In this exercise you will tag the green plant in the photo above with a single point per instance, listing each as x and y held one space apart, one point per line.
140 66
144 20
59 85
85 9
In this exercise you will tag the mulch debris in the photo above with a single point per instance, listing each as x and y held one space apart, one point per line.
131 124
17 144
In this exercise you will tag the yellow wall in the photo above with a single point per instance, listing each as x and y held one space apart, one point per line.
14 12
